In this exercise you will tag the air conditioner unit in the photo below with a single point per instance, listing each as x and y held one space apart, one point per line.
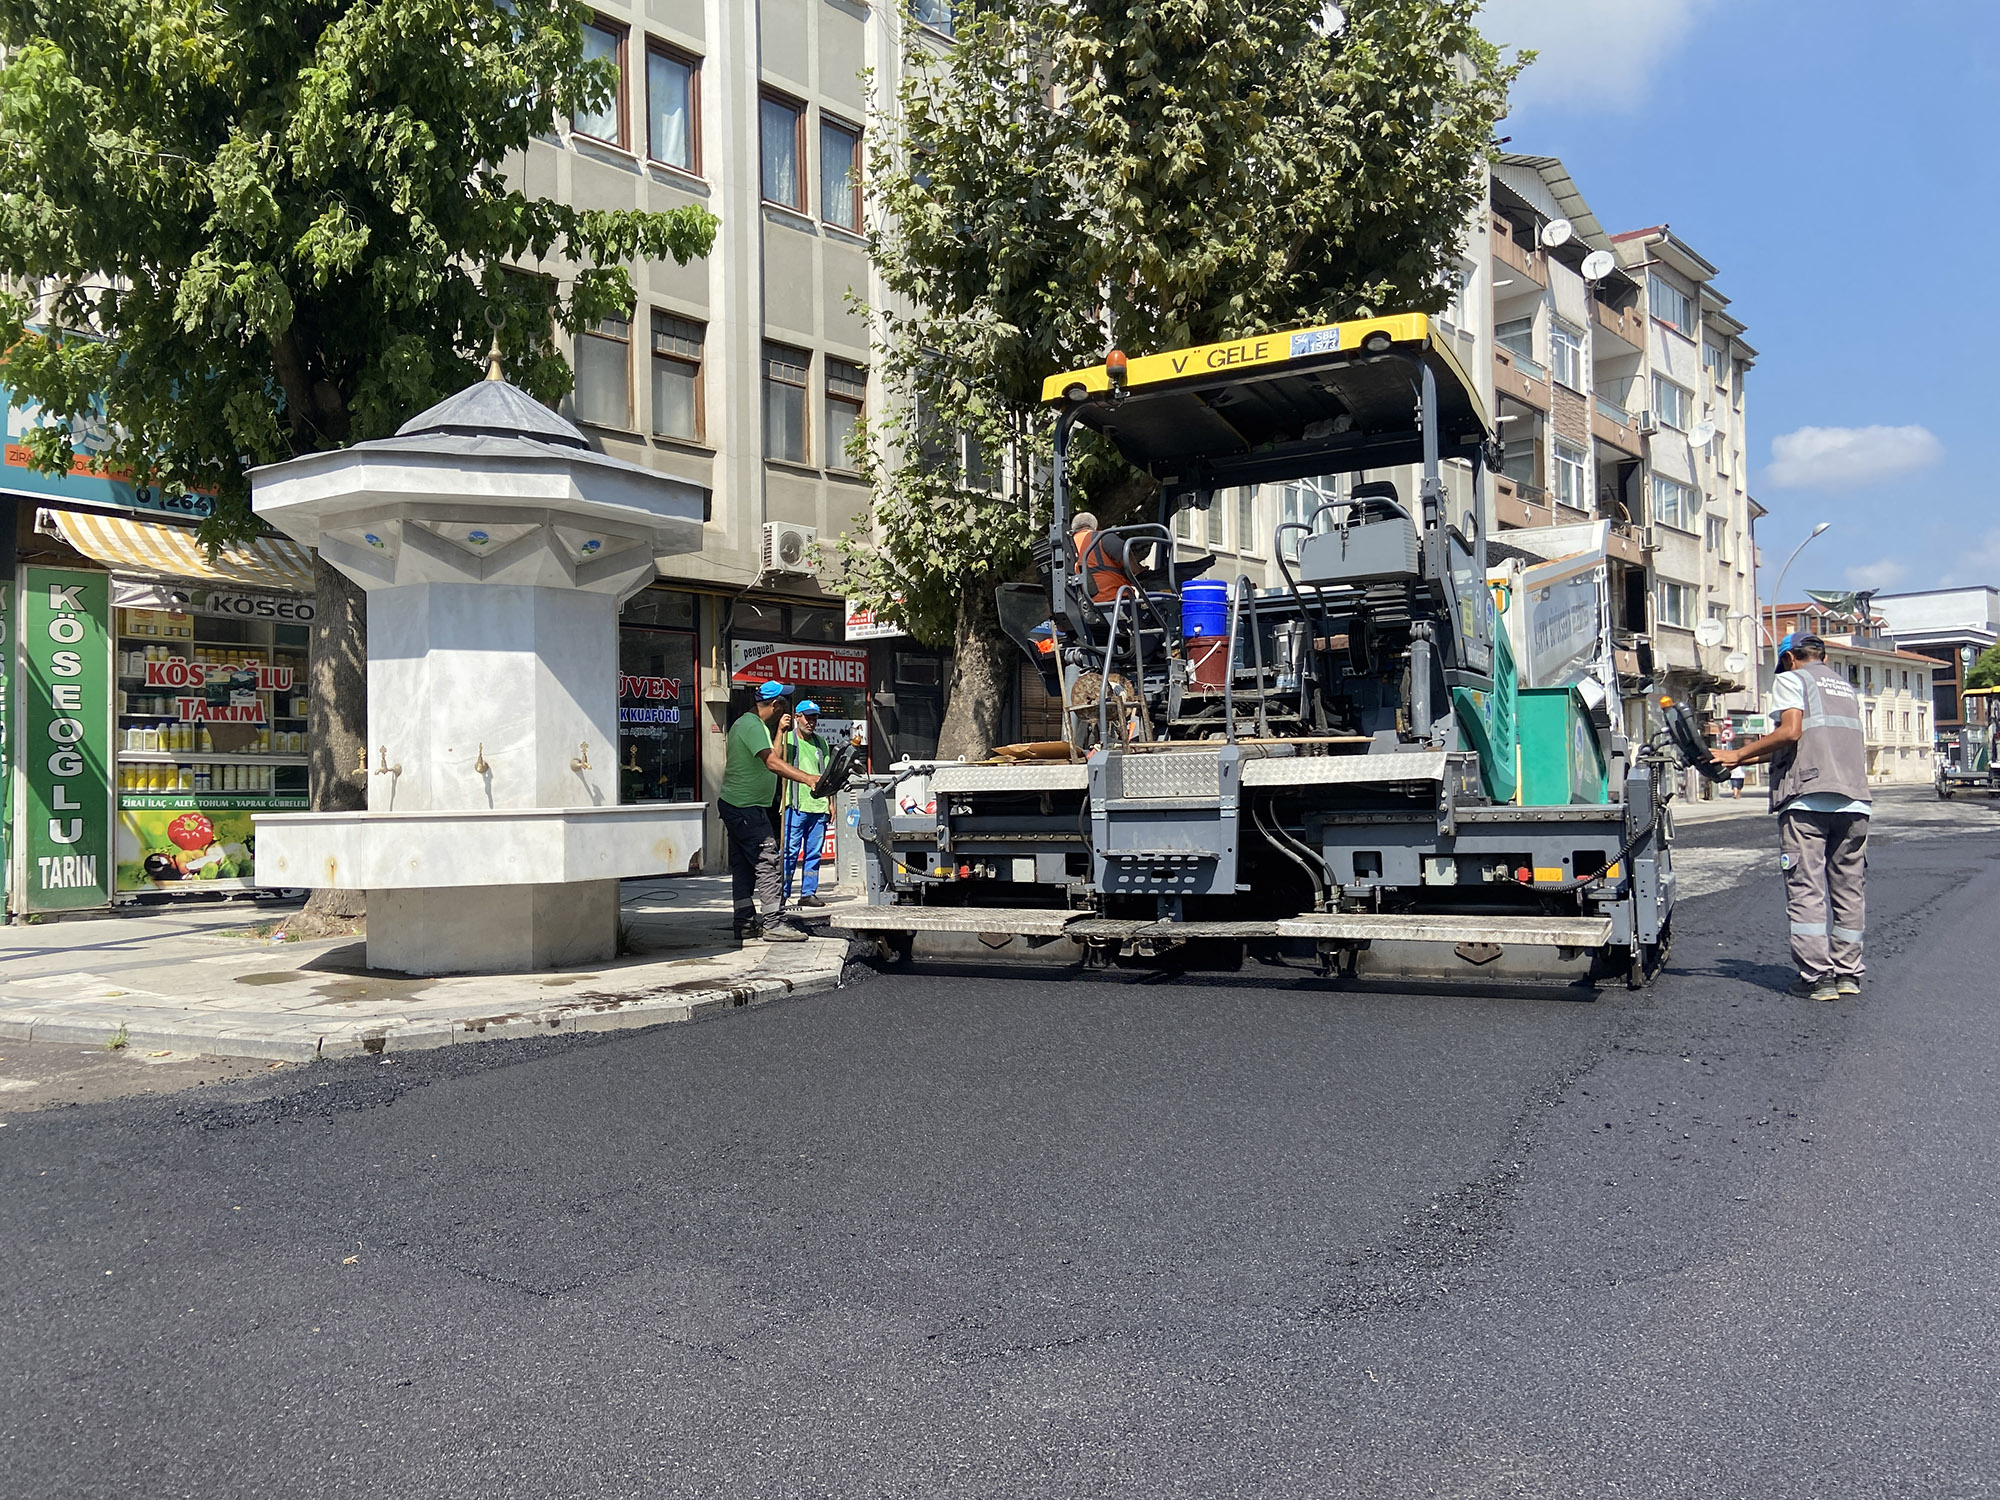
1648 423
788 547
1649 539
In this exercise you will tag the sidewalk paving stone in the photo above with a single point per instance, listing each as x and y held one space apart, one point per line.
160 979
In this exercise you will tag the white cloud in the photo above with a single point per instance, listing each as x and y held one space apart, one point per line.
1885 574
1595 53
1844 457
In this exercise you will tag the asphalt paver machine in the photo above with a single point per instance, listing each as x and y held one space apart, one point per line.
1342 767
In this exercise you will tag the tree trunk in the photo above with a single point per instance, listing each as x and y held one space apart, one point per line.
981 666
337 735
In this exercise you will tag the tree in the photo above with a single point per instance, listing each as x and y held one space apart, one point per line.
1074 175
240 230
1985 672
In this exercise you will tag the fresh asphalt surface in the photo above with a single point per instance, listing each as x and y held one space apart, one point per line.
1023 1234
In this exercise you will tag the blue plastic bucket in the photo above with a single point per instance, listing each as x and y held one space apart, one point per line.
1204 607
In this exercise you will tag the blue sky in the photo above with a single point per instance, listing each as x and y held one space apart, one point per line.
1837 160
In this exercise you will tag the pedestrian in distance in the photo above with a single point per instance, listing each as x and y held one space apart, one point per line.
1819 790
752 770
805 814
1736 782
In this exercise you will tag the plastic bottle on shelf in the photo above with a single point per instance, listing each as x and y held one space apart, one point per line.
185 778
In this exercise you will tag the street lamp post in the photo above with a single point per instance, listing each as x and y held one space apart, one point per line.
1777 593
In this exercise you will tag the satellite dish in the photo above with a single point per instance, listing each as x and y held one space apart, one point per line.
1556 232
1702 434
1735 661
1599 264
1710 632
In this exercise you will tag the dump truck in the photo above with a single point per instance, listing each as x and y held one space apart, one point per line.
1345 769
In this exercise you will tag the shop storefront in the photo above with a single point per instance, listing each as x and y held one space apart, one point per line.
186 696
659 740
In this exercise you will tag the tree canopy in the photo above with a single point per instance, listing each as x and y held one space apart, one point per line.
237 230
1985 672
1074 175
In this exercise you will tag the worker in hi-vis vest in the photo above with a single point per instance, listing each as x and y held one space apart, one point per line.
805 814
1819 790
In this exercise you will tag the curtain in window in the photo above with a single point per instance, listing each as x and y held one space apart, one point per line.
669 97
780 128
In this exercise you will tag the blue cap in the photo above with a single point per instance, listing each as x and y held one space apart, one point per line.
807 707
1791 639
766 691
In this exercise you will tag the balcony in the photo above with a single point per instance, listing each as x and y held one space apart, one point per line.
1615 427
1520 377
1625 544
1518 503
1512 256
1629 325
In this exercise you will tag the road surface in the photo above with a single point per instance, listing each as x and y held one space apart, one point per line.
1031 1235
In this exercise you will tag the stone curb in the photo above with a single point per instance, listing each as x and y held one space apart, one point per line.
814 969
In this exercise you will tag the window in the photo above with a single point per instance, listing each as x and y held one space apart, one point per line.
1517 335
846 399
1672 404
1211 531
1716 362
1677 604
785 402
840 174
1569 475
1674 503
1246 521
783 127
677 391
671 108
604 40
1718 613
1715 534
1186 523
1298 502
1566 355
604 374
936 14
1454 310
1670 304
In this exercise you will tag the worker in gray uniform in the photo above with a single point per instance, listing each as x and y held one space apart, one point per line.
1819 790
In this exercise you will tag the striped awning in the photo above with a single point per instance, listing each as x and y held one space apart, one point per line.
126 544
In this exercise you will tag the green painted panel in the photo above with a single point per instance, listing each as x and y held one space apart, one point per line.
66 738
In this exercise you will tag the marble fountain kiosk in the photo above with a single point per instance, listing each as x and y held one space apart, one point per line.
495 548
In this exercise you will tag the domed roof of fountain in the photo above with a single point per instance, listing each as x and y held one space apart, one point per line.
493 408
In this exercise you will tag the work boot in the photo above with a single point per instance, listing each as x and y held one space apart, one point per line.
810 901
779 930
1848 984
750 929
1817 989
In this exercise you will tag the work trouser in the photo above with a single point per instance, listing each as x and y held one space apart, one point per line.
754 861
1825 857
805 839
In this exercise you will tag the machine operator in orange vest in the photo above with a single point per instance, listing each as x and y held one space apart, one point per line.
1103 576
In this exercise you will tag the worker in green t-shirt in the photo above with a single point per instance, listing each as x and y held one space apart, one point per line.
805 814
750 780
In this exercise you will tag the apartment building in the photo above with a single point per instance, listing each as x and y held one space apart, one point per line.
1898 717
743 372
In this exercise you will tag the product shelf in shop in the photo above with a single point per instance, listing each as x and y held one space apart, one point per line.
187 757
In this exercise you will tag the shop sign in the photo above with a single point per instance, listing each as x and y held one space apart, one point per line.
228 604
86 483
658 699
178 672
752 662
1756 726
66 724
864 625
